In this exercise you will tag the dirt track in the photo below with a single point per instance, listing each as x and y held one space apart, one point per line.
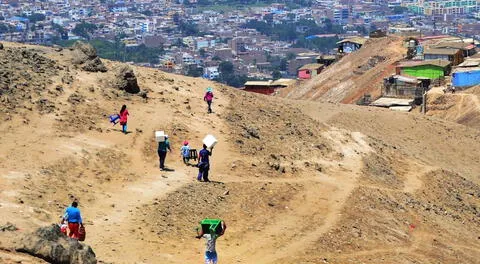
307 182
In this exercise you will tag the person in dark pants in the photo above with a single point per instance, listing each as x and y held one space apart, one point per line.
208 98
162 151
204 163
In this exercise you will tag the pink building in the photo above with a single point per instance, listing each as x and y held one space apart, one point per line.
310 70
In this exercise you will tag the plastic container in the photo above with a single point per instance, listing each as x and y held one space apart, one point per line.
210 141
211 226
114 119
63 228
160 136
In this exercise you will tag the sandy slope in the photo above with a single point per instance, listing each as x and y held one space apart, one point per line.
295 181
462 107
356 74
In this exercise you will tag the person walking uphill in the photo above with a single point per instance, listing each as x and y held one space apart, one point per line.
211 256
204 163
74 219
208 98
163 146
123 118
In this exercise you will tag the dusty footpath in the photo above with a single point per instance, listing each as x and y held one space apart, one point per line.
295 181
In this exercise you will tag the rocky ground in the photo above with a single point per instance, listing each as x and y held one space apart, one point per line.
295 181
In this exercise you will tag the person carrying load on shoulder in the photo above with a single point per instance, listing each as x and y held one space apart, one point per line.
73 217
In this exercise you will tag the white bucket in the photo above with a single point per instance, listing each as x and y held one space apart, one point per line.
160 136
210 141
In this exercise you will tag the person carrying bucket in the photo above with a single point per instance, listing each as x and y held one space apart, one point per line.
123 118
204 163
208 98
74 219
211 256
185 152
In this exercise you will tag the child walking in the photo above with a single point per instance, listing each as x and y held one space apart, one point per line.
123 118
185 150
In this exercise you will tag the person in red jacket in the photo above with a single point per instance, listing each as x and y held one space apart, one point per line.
208 98
123 118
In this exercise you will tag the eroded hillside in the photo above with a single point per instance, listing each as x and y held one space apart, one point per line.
295 181
356 74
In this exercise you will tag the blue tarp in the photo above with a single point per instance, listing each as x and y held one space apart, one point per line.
17 18
466 78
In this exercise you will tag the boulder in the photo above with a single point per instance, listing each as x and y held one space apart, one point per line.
85 54
126 80
1 46
95 65
51 245
86 49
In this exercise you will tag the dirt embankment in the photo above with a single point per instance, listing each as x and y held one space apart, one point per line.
462 107
356 74
295 181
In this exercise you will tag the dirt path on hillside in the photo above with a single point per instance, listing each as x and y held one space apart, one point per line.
328 192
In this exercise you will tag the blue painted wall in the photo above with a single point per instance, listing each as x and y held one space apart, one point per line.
468 78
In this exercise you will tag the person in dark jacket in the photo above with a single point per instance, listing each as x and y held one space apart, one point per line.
209 98
163 146
204 163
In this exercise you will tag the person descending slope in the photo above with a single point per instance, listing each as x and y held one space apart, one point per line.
123 118
208 98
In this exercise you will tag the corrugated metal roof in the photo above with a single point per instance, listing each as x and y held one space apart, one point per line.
279 82
357 40
456 45
406 79
388 102
469 69
311 66
470 63
440 63
441 51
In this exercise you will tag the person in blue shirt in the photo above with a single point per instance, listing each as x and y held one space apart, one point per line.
185 151
74 219
204 163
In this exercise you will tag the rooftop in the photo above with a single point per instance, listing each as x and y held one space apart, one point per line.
311 66
441 51
271 83
440 63
357 40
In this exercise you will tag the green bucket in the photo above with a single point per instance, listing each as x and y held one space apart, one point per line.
211 226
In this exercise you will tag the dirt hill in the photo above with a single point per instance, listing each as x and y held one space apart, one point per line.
462 107
295 181
356 74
